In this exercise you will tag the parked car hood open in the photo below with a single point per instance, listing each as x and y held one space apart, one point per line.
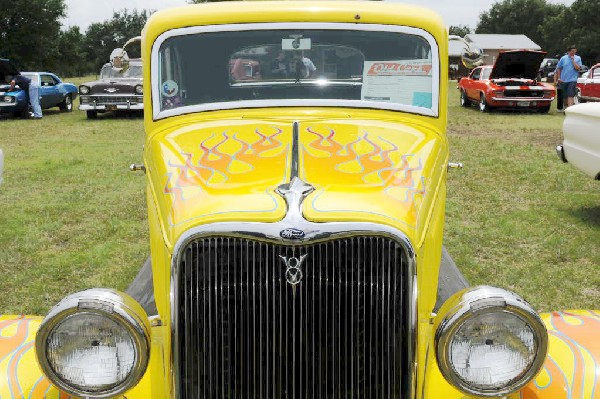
7 68
231 171
517 64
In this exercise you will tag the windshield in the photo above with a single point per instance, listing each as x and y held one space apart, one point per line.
108 72
485 73
377 69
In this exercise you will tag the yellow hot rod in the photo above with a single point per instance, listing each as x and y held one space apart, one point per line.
296 159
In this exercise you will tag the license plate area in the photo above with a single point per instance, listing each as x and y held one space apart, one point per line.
523 103
111 107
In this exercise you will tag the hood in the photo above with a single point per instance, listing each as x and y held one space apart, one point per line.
7 68
363 170
517 64
113 85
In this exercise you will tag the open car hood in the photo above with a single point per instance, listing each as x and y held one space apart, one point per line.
7 68
517 64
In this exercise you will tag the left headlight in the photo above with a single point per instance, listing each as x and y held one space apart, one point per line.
489 341
8 99
139 89
94 343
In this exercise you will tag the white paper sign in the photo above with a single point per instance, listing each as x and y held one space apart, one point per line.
405 82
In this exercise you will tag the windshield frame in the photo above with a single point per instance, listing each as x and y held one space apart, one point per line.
157 114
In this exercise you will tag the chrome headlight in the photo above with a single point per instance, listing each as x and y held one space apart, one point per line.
84 89
8 99
489 342
94 343
139 89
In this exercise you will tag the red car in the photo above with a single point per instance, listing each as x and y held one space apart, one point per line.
509 83
588 85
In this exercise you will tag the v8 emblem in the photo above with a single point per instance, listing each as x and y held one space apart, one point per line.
293 273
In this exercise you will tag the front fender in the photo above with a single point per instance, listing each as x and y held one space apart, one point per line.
20 375
572 368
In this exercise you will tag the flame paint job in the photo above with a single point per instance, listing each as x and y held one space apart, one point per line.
572 369
20 376
383 166
231 172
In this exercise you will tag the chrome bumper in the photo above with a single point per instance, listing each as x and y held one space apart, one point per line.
103 107
529 99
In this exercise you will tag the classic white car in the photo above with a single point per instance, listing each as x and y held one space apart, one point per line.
581 143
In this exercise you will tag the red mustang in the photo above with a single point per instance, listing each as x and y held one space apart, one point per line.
588 85
509 83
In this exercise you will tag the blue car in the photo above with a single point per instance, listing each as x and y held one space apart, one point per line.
53 92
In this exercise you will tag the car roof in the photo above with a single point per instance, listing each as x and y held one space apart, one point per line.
240 12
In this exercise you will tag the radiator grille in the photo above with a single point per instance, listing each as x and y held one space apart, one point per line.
246 332
524 93
101 100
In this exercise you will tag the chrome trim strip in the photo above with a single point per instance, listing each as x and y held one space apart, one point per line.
315 232
435 72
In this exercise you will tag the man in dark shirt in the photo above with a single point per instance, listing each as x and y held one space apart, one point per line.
31 90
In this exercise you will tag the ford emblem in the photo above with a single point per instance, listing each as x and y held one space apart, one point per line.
292 234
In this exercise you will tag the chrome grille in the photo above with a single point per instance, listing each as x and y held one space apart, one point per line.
524 93
246 332
101 100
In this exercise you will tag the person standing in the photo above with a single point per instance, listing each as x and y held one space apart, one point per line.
31 87
567 72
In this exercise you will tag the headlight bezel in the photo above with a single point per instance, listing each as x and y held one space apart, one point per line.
83 90
117 306
474 302
139 89
8 99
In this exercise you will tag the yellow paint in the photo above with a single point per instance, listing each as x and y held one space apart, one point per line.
366 165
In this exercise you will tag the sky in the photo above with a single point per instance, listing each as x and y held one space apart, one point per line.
85 12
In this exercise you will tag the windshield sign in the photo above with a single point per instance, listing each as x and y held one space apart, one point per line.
384 69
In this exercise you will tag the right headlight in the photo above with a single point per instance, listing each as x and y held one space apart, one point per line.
94 343
489 341
84 89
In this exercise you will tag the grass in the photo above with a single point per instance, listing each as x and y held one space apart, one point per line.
74 217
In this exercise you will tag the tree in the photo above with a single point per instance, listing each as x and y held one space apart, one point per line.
103 37
516 17
460 30
29 31
582 29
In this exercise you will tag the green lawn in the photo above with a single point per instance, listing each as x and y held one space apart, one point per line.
74 217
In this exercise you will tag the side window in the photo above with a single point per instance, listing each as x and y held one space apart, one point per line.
476 74
47 80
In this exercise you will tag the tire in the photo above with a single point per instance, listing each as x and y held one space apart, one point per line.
464 100
23 114
578 99
483 105
92 114
544 110
67 104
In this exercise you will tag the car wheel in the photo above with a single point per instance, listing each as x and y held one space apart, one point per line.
24 113
464 100
544 110
67 104
578 99
483 105
91 114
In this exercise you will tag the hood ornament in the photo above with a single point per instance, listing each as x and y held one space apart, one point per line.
111 90
295 191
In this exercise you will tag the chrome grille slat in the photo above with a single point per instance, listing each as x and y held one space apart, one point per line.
248 333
